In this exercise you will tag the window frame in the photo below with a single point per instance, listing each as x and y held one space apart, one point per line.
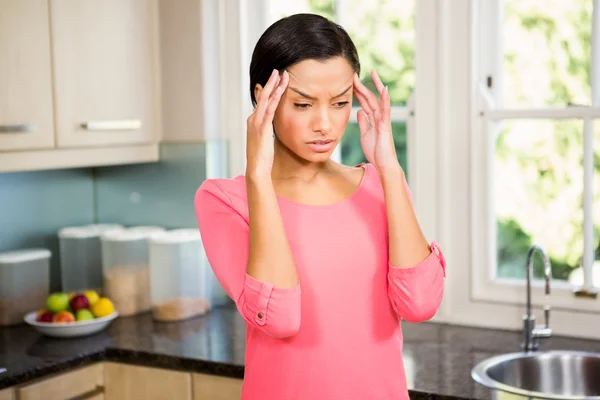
487 111
441 146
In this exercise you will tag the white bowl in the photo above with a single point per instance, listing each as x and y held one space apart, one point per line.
70 329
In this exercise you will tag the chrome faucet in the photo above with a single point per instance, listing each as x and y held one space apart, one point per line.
531 331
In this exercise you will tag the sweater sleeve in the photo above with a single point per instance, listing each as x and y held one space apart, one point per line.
225 236
416 292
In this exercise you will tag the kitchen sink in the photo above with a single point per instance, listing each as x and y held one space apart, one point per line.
549 374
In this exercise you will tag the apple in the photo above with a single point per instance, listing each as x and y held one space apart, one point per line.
45 316
63 316
57 302
79 302
92 296
84 315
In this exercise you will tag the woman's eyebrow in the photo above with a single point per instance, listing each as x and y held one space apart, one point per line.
313 98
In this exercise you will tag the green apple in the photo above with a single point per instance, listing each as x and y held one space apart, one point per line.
57 302
84 315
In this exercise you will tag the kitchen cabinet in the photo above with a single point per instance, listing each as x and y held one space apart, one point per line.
7 394
64 386
210 387
26 120
116 381
105 69
124 382
83 83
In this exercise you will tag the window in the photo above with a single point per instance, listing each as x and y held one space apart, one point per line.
383 32
536 149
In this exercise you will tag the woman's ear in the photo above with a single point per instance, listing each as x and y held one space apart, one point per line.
257 89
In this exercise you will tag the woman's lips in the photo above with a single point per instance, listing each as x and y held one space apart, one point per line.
321 146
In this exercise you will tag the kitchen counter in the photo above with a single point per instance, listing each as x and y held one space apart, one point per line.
438 357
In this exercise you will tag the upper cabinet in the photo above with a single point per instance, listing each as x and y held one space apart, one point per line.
104 66
80 83
26 120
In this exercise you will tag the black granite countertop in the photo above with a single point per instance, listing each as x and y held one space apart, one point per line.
438 357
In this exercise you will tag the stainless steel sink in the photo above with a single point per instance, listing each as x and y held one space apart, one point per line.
549 374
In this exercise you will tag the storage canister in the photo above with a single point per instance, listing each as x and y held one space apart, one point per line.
125 269
24 283
180 283
81 256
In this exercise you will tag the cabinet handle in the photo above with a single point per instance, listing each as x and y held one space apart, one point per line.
127 124
19 128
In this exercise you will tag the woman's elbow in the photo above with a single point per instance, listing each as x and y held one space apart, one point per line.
283 330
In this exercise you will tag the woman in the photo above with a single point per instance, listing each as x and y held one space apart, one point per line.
321 259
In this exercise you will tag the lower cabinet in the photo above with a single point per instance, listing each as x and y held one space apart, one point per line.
116 381
125 382
67 385
7 394
209 387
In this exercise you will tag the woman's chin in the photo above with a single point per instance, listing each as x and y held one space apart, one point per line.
318 157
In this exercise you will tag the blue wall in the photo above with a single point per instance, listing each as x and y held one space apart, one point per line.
35 205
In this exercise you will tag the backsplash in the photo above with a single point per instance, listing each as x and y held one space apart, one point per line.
152 194
35 205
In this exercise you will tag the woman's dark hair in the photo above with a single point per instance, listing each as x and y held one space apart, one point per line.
297 38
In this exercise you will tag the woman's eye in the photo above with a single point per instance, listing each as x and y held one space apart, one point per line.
302 106
341 104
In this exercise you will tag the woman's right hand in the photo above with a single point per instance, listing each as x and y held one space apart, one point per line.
260 135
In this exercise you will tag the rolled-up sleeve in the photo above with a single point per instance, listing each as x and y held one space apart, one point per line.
225 237
416 292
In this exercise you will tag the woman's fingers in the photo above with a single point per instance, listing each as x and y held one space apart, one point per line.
263 98
377 82
360 97
367 95
385 105
275 97
363 122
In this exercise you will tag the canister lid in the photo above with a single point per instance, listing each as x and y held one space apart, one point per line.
23 255
87 231
146 229
105 227
176 236
126 235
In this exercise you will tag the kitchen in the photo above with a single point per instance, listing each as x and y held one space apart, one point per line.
114 112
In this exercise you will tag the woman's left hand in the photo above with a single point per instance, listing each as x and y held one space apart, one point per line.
374 122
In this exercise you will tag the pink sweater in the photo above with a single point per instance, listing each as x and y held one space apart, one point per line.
336 336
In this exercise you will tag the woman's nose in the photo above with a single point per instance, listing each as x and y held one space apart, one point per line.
322 122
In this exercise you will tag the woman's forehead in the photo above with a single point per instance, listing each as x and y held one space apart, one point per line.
329 77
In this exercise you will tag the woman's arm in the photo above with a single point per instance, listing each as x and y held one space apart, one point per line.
252 263
270 257
416 268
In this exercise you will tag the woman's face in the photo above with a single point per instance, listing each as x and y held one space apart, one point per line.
315 108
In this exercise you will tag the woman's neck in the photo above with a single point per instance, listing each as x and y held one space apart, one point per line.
288 165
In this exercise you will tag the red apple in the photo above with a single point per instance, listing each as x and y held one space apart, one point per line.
63 316
79 302
46 316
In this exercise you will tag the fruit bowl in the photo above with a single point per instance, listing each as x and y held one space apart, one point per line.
70 329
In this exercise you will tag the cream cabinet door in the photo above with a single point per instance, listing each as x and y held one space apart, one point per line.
7 394
210 387
126 382
105 71
26 120
64 386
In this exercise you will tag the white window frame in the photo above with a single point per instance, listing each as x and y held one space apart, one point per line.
443 163
420 128
488 111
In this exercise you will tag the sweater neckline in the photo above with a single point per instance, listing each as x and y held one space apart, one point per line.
356 192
